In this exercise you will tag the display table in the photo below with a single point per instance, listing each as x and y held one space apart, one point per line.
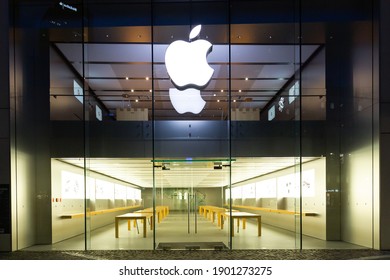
161 211
243 216
209 211
133 216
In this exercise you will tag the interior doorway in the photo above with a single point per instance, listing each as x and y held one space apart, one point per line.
185 186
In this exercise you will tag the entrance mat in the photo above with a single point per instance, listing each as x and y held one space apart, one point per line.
192 246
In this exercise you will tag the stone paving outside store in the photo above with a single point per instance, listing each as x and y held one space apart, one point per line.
199 255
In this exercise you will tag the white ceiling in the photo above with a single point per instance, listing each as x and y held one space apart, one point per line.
181 173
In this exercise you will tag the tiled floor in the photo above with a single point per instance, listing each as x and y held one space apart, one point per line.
174 228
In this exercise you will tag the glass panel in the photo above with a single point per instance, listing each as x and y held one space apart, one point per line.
66 102
265 82
337 105
118 71
314 174
191 120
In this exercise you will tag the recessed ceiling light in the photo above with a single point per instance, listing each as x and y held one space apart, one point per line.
147 78
214 94
150 90
221 90
127 78
132 90
246 78
218 100
136 100
239 90
234 100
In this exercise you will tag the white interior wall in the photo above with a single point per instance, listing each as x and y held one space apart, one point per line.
66 228
314 226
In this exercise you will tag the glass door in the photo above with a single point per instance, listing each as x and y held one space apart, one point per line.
189 203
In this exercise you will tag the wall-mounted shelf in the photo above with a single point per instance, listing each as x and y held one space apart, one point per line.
278 211
98 212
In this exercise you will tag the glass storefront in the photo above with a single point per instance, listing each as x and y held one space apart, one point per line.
194 124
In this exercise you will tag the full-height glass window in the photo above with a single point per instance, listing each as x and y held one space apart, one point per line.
266 61
118 66
337 85
191 91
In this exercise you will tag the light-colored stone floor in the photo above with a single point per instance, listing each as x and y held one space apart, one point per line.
175 228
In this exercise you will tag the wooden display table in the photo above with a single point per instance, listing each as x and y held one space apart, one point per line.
243 216
209 211
133 216
161 211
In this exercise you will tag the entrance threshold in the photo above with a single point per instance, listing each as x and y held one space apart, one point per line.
192 246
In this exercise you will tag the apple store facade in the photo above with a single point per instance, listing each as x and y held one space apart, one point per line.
161 124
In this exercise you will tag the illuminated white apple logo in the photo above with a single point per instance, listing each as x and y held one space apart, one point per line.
189 71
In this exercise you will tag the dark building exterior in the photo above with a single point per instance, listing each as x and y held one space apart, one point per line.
295 119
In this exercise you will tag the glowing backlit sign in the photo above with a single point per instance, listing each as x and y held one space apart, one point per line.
293 92
78 91
281 104
271 113
67 6
187 66
99 113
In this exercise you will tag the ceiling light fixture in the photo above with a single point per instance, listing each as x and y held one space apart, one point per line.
246 78
147 78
